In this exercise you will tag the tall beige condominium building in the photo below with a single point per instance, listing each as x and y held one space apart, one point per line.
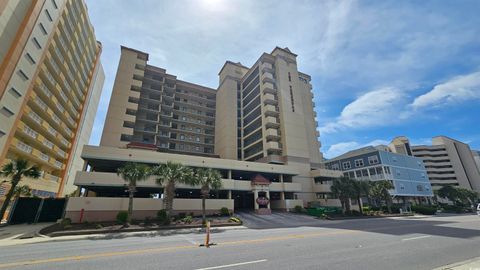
50 85
448 161
265 114
153 110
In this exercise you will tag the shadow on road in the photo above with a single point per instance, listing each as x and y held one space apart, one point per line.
439 226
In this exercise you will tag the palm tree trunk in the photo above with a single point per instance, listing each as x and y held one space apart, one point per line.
360 206
204 214
8 198
130 204
169 195
389 205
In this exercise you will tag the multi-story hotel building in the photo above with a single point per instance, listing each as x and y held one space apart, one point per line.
258 129
447 161
151 109
50 85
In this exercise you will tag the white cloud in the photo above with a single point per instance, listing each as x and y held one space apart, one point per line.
458 89
340 148
375 108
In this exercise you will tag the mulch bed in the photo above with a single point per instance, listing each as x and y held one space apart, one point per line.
366 216
112 227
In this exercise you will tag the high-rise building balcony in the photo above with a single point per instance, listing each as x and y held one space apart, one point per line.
270 99
271 110
269 89
268 78
272 134
271 122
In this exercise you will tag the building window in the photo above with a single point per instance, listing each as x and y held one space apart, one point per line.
30 58
48 15
22 75
422 175
373 160
419 188
346 165
42 28
289 77
197 139
55 4
402 186
335 167
14 92
387 170
2 133
181 146
125 138
7 112
37 44
394 159
197 148
182 137
358 162
291 99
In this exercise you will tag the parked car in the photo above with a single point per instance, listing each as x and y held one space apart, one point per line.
478 209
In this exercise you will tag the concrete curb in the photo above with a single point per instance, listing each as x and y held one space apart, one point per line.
90 232
471 264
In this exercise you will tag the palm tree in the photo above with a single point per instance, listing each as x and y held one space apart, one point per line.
208 179
16 170
380 191
133 173
170 174
24 190
344 190
360 189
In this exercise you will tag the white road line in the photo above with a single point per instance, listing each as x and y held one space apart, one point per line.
231 265
188 239
415 238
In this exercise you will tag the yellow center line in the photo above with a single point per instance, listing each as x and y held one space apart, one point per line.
157 250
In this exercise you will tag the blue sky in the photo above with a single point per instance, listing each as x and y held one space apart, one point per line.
379 68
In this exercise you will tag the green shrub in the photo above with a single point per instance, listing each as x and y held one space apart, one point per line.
454 209
163 217
122 217
188 219
365 209
424 210
98 226
224 211
147 221
180 216
298 209
66 222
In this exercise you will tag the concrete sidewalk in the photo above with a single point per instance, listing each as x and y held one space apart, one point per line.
472 264
21 231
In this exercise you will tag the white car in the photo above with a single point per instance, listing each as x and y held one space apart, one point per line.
478 209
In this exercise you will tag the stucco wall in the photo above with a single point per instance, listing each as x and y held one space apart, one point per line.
105 209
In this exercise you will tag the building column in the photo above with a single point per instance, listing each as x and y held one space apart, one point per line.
268 196
229 194
282 195
229 174
281 178
255 197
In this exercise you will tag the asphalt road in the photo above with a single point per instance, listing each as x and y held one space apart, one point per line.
274 242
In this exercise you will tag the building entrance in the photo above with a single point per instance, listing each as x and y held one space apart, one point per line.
243 200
